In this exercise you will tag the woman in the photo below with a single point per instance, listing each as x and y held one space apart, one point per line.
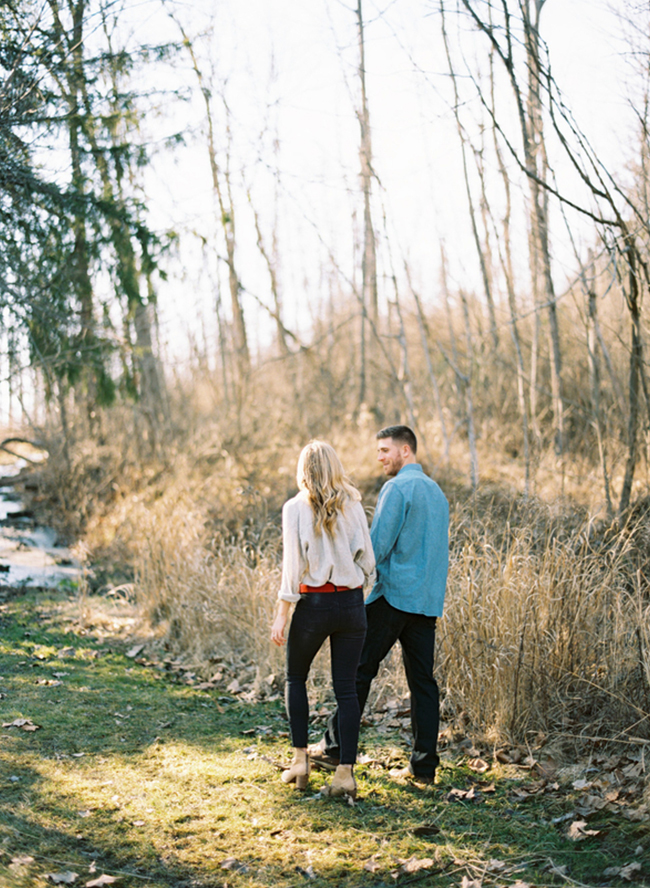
327 557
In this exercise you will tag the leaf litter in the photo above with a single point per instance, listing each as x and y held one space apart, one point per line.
609 784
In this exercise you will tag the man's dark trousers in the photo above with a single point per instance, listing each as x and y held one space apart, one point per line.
416 634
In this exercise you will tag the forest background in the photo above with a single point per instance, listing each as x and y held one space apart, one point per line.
227 229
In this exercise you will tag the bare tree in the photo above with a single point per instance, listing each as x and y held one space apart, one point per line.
482 253
529 110
369 302
221 186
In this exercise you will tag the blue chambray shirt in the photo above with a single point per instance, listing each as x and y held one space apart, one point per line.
410 537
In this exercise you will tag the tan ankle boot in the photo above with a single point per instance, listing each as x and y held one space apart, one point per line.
298 771
343 783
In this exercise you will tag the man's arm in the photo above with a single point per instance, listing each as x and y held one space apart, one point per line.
387 522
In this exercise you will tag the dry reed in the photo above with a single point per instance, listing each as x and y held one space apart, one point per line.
545 629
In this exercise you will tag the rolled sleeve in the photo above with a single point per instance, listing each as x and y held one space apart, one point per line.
292 561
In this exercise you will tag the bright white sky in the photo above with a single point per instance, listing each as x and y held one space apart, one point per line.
290 68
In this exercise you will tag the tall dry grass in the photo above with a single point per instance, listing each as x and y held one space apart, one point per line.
206 597
545 628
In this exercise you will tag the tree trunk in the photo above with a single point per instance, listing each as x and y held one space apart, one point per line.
425 338
506 263
636 358
594 382
480 252
223 194
537 164
369 305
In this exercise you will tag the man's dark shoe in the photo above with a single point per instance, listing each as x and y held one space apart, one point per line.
407 774
320 759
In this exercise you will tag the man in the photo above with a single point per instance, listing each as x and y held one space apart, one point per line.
410 538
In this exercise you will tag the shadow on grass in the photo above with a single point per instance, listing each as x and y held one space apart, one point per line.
165 785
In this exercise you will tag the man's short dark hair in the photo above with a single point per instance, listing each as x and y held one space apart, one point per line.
401 434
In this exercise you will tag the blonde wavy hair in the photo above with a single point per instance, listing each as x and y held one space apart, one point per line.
322 477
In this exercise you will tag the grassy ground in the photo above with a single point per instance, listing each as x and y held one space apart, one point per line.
125 770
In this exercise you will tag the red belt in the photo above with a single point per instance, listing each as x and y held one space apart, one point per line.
328 587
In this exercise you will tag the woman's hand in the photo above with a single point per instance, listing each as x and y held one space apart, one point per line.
279 624
277 630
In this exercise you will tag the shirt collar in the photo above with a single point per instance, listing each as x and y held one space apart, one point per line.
411 466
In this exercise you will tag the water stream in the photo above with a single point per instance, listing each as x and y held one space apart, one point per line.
29 554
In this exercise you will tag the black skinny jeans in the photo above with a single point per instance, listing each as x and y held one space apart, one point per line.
341 617
417 636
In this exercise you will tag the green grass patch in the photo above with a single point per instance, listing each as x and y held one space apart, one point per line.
113 768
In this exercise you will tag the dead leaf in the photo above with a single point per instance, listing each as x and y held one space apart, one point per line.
371 866
628 872
66 652
231 863
134 651
487 787
26 724
413 865
41 653
581 784
66 878
546 769
22 860
470 883
577 831
589 804
431 830
634 770
496 866
365 759
636 814
467 795
233 687
101 880
479 765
